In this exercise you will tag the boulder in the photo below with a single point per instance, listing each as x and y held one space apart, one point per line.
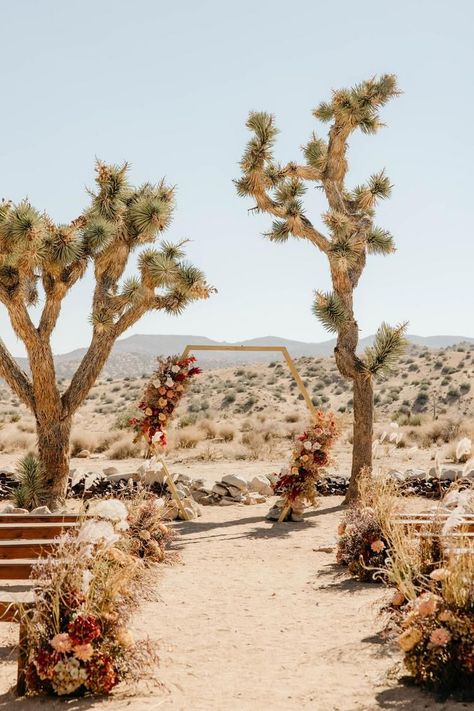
184 478
272 478
110 471
273 514
235 480
120 476
191 508
296 517
415 474
396 475
220 489
226 502
234 492
7 470
83 454
261 485
40 511
19 511
8 509
448 475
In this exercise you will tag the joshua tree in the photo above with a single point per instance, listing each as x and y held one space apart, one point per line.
41 261
352 234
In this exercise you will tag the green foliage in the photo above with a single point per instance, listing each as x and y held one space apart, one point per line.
330 310
32 487
389 344
380 241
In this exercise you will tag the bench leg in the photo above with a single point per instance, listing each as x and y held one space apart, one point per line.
22 660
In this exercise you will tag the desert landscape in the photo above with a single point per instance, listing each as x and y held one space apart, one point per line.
195 516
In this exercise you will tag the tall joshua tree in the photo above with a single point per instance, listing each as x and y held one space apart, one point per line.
351 232
41 261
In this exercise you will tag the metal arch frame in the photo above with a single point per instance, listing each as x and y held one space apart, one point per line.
268 349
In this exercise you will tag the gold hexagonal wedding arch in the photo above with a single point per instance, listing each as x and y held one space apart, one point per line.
261 349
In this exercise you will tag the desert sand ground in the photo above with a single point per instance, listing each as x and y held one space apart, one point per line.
256 616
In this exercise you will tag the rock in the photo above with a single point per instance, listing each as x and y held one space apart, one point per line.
198 495
249 500
83 454
170 510
208 500
448 475
272 478
226 502
184 478
183 491
415 474
120 476
470 474
152 476
19 511
235 480
260 499
198 483
8 509
40 511
220 490
234 491
110 471
296 517
191 508
273 514
261 485
396 475
7 470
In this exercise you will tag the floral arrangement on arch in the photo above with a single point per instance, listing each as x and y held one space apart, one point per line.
76 636
310 455
161 398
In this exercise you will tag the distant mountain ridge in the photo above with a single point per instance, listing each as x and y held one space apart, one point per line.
137 353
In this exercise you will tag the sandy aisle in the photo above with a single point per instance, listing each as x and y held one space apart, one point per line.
256 619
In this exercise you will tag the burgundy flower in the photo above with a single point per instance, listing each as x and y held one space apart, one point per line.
84 629
101 674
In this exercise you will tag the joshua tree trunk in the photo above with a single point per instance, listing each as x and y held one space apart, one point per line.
53 449
363 396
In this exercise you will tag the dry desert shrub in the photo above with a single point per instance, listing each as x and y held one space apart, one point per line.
14 441
209 428
124 448
147 535
227 433
187 437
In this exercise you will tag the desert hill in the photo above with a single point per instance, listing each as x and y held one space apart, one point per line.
137 353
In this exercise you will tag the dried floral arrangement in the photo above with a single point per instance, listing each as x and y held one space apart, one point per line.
432 609
76 635
310 455
161 397
363 543
437 625
147 535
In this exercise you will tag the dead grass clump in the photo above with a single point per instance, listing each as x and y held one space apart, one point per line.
438 432
227 433
209 428
187 437
124 448
14 441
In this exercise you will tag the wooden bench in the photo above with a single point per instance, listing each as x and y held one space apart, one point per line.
23 539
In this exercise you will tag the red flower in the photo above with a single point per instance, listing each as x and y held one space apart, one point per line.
84 629
320 457
101 674
195 371
45 662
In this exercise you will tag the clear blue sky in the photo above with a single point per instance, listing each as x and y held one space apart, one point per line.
168 85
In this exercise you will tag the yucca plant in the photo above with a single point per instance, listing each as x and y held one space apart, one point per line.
41 261
32 488
351 234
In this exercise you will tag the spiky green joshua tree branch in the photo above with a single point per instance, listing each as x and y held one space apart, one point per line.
40 262
351 233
